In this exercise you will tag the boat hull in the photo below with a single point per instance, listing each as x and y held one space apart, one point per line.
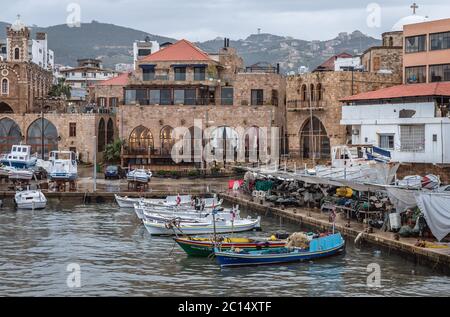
233 259
32 206
19 164
160 229
206 248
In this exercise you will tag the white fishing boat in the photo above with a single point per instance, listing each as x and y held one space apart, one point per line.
167 215
129 202
63 166
139 176
176 227
19 157
30 200
172 201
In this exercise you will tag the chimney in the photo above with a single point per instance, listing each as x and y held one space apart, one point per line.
225 42
278 68
228 42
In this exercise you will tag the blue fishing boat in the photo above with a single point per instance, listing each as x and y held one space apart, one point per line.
318 248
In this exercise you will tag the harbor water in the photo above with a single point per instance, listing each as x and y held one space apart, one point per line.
117 257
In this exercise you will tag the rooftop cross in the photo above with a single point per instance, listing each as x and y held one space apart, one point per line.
414 7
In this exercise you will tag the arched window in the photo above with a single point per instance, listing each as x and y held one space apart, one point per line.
252 144
314 140
10 134
167 141
101 143
311 90
17 53
391 41
141 141
226 140
5 87
304 93
319 92
110 132
34 136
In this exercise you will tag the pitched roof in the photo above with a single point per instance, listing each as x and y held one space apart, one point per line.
329 63
182 50
402 91
120 80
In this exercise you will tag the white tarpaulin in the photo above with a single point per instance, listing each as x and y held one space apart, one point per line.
436 209
402 199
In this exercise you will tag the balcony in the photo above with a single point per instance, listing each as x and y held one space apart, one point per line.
305 105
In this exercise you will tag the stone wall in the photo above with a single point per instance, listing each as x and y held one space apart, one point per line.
424 169
86 128
383 58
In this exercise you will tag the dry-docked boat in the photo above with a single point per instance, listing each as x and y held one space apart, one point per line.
19 174
19 157
63 166
30 199
176 227
139 176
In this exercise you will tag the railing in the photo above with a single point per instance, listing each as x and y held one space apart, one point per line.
303 105
186 102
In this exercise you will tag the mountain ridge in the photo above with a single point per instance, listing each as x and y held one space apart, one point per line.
113 44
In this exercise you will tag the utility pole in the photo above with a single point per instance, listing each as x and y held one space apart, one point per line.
311 127
42 131
95 163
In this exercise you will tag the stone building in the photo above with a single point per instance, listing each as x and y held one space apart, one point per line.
183 88
314 109
386 58
27 113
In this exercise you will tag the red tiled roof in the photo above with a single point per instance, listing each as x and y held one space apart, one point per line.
120 80
182 50
329 63
401 91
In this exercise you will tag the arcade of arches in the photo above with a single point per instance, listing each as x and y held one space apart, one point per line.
314 141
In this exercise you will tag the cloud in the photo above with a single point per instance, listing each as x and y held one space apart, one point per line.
206 19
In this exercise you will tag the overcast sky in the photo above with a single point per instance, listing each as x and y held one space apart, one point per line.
199 20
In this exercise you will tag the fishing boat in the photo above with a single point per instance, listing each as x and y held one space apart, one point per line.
139 176
127 202
172 201
201 227
143 208
30 199
19 157
187 216
63 166
204 247
318 248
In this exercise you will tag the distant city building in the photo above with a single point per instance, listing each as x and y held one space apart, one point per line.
88 72
142 49
124 68
303 69
347 63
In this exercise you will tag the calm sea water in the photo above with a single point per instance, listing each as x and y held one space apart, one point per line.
118 258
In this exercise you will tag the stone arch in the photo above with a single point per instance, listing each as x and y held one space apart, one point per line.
391 41
42 132
167 140
110 132
252 144
314 140
312 92
101 135
141 141
225 139
5 108
10 134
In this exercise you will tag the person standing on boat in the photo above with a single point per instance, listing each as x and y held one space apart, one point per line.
178 200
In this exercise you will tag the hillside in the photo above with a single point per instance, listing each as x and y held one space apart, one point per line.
113 44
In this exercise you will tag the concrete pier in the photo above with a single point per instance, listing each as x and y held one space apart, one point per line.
438 259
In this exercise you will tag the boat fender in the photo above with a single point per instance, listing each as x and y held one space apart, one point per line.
359 237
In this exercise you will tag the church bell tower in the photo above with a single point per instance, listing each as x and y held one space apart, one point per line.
18 36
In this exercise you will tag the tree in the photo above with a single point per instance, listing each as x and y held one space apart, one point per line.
113 151
61 89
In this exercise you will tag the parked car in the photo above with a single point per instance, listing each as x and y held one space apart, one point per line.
39 172
114 172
